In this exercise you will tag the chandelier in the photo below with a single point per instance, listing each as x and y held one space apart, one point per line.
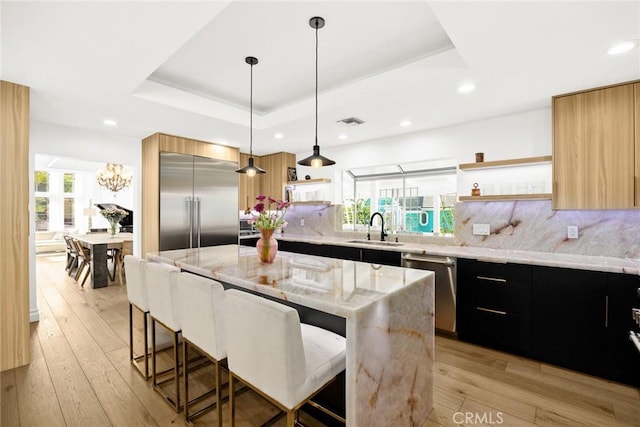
114 178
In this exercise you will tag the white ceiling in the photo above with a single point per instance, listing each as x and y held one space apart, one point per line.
178 67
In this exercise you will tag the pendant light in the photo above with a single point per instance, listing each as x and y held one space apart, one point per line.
316 160
251 170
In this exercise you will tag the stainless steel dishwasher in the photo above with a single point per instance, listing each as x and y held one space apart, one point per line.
445 271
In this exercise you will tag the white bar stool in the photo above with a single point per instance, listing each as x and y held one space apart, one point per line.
162 292
201 304
285 361
137 295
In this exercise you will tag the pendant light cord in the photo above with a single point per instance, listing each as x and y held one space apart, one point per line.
316 142
251 115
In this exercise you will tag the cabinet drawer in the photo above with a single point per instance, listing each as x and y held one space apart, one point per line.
510 296
502 287
494 272
494 328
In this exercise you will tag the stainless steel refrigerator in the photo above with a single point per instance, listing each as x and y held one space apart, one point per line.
198 202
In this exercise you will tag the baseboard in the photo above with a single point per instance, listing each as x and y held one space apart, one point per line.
34 315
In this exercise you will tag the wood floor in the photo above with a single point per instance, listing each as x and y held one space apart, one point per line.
80 376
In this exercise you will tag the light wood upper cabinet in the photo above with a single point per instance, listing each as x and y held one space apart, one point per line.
152 146
594 149
248 187
274 181
271 183
215 151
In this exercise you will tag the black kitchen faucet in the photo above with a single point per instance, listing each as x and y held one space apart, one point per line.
382 233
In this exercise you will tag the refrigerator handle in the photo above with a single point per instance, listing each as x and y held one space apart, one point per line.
197 201
190 216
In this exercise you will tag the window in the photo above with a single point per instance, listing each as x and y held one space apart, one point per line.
69 181
57 199
42 200
69 217
42 182
68 187
413 198
42 213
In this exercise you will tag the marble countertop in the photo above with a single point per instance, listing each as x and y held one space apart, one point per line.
334 286
581 262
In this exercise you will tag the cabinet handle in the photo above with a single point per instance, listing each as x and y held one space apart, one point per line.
606 311
488 310
444 261
491 279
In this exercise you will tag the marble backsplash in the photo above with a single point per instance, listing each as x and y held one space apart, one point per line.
319 220
529 225
534 226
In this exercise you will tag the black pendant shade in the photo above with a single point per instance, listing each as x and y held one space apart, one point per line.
251 169
316 160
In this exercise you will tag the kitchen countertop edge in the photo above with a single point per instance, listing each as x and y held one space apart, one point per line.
548 259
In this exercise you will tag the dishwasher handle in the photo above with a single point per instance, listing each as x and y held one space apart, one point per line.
436 260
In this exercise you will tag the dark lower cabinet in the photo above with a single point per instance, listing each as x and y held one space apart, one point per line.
568 318
623 359
495 329
349 253
581 320
330 251
249 241
494 305
376 256
577 319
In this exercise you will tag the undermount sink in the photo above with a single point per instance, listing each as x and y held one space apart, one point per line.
375 242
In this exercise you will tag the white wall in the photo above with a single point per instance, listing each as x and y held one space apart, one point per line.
47 138
516 135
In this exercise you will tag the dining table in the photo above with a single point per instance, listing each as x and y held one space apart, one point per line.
99 244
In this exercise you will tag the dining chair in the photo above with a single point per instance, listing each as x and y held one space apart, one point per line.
84 255
72 255
201 306
127 249
270 351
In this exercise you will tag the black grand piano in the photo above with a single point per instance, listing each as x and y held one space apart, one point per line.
126 223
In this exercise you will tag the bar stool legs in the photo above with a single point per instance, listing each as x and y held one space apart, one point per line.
137 296
218 366
174 400
135 360
232 401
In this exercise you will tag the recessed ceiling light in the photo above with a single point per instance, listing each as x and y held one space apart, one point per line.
342 136
405 123
466 87
110 122
621 47
278 135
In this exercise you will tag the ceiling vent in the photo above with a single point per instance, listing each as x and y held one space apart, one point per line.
351 121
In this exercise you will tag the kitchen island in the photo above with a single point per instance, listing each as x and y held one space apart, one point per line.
389 315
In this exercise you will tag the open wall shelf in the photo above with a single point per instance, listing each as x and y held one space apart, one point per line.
506 197
505 163
310 181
